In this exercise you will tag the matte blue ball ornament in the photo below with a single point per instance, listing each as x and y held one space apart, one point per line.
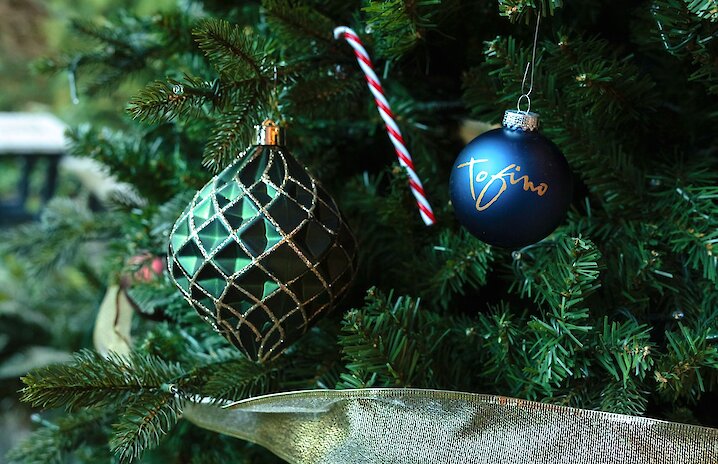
511 187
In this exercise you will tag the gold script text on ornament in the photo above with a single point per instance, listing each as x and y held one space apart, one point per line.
505 177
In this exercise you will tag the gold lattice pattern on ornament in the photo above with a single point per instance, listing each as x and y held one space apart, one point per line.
261 251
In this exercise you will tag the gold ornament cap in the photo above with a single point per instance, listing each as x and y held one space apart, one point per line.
269 133
521 120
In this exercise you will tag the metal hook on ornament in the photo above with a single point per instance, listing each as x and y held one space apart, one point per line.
532 65
528 102
274 95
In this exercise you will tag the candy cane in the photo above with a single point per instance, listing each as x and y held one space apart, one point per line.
391 127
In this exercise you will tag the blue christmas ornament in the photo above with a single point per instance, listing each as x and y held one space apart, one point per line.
511 187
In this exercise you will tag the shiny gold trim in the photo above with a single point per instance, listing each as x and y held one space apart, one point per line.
269 133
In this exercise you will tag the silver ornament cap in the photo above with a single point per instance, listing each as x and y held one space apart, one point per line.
269 133
521 120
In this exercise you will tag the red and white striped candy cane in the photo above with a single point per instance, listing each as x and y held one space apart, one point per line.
391 127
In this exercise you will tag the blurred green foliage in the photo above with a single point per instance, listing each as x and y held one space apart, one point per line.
38 325
31 30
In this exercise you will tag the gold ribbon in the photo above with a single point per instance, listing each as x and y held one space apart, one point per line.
432 426
113 323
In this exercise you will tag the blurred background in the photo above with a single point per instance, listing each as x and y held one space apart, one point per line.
36 325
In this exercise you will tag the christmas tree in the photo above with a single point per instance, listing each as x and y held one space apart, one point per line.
616 310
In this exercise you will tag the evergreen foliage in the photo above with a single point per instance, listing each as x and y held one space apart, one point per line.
400 25
390 345
616 310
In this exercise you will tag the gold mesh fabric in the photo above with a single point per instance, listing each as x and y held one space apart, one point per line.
262 251
432 427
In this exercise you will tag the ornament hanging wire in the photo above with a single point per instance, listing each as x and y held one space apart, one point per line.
274 96
72 80
275 79
532 64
